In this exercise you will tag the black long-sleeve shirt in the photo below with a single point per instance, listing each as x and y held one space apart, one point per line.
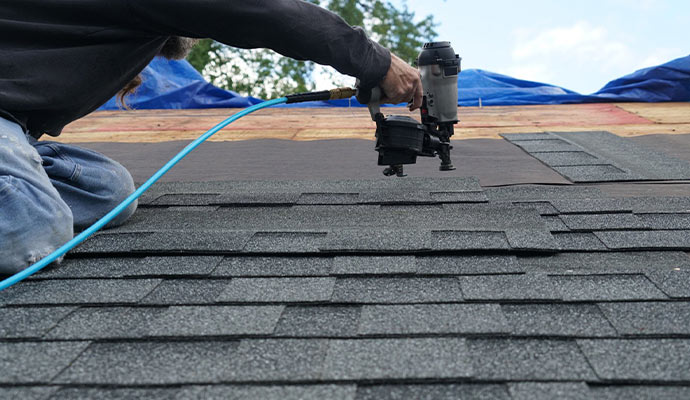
62 59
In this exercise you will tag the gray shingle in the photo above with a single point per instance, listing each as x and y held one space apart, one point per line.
36 362
637 392
606 288
311 392
274 266
464 240
555 224
547 391
173 266
467 265
125 394
578 241
666 221
395 197
508 287
215 241
606 263
376 240
433 319
278 290
105 323
323 321
541 207
543 146
185 199
583 320
104 242
397 359
596 173
285 242
465 391
90 268
538 360
601 222
542 193
637 240
30 322
185 291
276 360
675 282
649 318
83 291
254 199
630 155
396 290
568 158
664 360
27 393
328 198
150 363
459 197
374 265
216 321
531 239
580 205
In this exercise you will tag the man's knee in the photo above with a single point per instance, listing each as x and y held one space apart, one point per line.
33 223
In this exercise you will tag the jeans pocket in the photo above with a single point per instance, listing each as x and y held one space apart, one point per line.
57 164
6 186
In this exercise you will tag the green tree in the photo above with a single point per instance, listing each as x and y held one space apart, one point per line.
263 73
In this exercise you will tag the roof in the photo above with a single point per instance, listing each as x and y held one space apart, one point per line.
375 289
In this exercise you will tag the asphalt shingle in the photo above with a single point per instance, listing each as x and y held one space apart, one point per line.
27 392
675 282
185 292
645 240
433 319
380 359
276 360
82 291
32 362
374 265
606 288
285 242
578 241
277 392
288 290
319 321
433 392
528 359
649 318
467 265
464 240
396 290
509 287
97 323
274 266
578 320
150 363
199 321
547 391
664 360
30 322
376 240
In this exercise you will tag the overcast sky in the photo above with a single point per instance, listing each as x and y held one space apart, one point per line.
580 45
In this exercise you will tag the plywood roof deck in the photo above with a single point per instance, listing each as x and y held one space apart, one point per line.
301 124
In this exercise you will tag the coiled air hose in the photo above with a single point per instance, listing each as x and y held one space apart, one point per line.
341 93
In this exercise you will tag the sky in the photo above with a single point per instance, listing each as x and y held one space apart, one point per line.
580 45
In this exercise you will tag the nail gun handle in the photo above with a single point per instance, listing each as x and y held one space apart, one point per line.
370 97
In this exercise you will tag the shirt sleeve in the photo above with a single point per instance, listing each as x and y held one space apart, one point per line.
294 28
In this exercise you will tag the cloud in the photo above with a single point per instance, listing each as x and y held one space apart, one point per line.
577 53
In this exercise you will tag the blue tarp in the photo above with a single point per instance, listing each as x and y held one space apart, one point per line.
176 84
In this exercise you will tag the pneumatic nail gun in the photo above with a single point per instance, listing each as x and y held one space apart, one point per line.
401 139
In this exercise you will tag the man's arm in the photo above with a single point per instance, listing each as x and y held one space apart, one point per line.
294 28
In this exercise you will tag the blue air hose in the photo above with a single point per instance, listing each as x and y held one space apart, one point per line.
129 200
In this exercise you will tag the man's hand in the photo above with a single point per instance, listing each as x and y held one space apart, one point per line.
402 84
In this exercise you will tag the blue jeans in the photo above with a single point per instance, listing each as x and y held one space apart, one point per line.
49 189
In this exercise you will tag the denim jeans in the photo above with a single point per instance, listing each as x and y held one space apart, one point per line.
49 189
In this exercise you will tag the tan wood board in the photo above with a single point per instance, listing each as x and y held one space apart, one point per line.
150 126
662 113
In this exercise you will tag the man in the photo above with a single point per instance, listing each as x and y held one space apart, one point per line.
62 59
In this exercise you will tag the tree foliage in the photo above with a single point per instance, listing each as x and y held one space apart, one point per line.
263 73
